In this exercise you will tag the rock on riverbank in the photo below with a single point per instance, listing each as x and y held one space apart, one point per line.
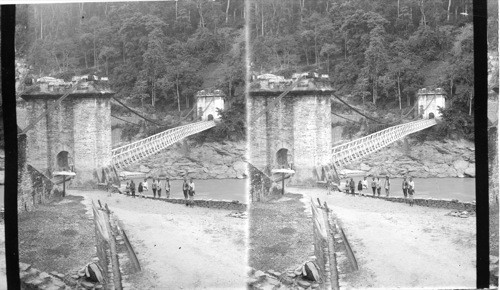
447 158
205 161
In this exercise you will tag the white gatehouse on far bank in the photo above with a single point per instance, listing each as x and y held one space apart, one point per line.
429 102
208 102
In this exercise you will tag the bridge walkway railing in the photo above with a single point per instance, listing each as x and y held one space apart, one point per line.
354 150
136 151
349 152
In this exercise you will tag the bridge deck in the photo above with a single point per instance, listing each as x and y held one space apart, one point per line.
136 151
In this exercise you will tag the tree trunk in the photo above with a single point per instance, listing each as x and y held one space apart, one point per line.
202 20
328 63
86 63
80 6
315 46
95 57
307 57
176 10
398 9
399 93
229 94
41 24
227 10
123 52
448 13
301 4
407 99
262 16
152 91
345 48
178 96
423 12
470 105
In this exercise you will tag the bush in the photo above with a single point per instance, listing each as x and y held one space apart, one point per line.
350 129
129 132
232 125
456 124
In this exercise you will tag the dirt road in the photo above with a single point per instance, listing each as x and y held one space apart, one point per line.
401 246
180 247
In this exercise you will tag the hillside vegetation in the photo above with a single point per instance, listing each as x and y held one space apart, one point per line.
157 55
378 52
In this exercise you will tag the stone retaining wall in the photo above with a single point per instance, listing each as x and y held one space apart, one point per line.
103 247
112 250
33 186
220 204
440 203
260 184
321 251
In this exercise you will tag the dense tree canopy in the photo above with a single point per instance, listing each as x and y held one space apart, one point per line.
154 53
376 51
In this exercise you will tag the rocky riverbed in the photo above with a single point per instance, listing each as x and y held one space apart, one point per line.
200 161
449 158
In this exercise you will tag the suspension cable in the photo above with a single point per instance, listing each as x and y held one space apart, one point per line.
125 120
50 109
276 101
377 121
358 122
135 113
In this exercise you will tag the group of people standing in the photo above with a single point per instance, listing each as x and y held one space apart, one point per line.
158 185
376 185
143 187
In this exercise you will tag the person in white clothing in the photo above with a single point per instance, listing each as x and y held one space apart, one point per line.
145 186
411 190
364 183
191 192
158 187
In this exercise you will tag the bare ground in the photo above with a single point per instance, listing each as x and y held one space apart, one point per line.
401 246
57 236
180 247
280 234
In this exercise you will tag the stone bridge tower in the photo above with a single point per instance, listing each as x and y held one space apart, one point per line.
296 133
75 136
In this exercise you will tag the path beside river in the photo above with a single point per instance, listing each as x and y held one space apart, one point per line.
180 247
401 246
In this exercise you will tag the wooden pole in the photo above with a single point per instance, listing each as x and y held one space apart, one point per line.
64 186
283 184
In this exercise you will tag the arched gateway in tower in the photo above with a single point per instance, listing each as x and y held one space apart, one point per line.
296 130
76 135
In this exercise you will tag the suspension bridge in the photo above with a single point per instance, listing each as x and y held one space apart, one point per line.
289 123
68 128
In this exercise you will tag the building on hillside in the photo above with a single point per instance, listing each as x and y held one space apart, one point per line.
429 101
208 102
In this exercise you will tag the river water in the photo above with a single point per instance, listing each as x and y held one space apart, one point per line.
463 189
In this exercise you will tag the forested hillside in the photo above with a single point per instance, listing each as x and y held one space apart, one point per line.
377 52
156 54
